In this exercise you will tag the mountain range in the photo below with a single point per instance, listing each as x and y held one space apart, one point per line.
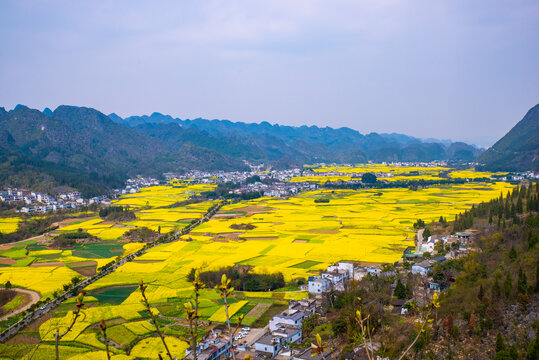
83 148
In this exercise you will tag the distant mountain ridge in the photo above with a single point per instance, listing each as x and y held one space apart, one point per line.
518 150
82 147
310 143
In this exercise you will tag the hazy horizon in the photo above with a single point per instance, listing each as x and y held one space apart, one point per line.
446 70
477 141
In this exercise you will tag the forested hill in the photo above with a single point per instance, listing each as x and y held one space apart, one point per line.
84 148
268 142
518 150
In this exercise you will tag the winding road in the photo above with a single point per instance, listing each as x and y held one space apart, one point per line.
31 297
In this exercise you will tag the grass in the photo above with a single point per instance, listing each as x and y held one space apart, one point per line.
114 295
121 335
14 303
307 264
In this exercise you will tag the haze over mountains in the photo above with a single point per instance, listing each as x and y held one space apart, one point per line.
84 148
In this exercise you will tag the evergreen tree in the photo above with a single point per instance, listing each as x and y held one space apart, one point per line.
481 293
522 283
496 290
520 208
532 239
500 344
507 286
426 233
513 253
400 290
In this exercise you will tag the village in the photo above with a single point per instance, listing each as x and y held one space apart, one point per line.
283 337
271 183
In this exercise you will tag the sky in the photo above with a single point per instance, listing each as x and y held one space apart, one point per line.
460 70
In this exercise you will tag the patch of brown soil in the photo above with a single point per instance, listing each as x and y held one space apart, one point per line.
57 263
226 236
67 222
83 263
85 270
25 339
299 241
324 231
278 223
34 325
227 216
7 261
365 263
254 209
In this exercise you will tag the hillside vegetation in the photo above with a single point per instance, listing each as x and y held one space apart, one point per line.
518 150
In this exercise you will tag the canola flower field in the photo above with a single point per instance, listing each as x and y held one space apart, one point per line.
296 236
33 265
9 225
389 173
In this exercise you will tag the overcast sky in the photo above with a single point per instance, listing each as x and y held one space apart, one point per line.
463 70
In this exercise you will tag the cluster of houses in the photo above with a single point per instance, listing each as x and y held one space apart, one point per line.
36 202
39 202
133 185
277 189
285 328
234 176
336 276
459 240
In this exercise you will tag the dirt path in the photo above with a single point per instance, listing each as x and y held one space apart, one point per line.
30 297
8 246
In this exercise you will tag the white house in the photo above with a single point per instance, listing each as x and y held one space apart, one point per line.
284 319
318 285
288 334
343 266
269 344
422 268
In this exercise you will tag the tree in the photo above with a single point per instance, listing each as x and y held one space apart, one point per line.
426 233
513 253
500 344
8 285
103 327
225 291
532 239
142 289
481 293
76 314
400 290
507 285
522 283
419 224
369 178
192 313
496 290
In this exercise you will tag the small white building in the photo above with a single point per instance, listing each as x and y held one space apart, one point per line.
343 266
422 268
294 319
269 344
319 285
